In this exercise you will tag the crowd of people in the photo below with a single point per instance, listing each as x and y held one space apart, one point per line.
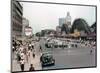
23 51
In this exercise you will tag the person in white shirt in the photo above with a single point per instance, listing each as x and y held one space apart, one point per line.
22 55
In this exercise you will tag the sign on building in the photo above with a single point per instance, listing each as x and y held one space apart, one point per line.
28 31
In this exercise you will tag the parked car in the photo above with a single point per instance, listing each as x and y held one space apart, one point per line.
47 60
49 44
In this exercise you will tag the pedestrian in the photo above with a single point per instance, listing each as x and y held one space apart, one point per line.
91 51
27 56
41 58
31 67
21 48
33 55
62 45
13 49
22 55
40 49
32 46
22 62
18 57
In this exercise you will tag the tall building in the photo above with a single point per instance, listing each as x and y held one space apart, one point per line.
25 24
17 13
61 21
65 24
68 20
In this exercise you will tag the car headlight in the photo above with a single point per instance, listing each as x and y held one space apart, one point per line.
52 61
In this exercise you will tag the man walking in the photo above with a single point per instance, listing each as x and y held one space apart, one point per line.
31 68
22 62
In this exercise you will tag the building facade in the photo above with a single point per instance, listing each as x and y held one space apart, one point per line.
61 21
17 13
25 24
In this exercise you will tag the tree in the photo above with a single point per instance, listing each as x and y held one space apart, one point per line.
65 29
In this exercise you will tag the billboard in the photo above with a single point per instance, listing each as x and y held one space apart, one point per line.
28 31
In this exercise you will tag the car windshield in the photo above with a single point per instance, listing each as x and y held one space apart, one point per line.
47 58
47 55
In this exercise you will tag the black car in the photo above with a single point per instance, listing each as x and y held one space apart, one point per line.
47 60
48 45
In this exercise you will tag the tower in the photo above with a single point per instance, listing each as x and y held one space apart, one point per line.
68 20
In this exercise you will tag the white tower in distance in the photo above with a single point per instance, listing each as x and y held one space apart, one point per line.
68 20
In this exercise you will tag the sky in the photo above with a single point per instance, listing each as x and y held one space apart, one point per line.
46 16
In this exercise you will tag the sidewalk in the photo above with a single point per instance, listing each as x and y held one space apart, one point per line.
35 61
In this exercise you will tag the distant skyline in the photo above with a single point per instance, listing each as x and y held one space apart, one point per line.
46 16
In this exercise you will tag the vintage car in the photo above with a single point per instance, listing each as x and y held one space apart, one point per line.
47 60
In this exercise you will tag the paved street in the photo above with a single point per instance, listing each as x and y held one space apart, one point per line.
72 57
64 58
